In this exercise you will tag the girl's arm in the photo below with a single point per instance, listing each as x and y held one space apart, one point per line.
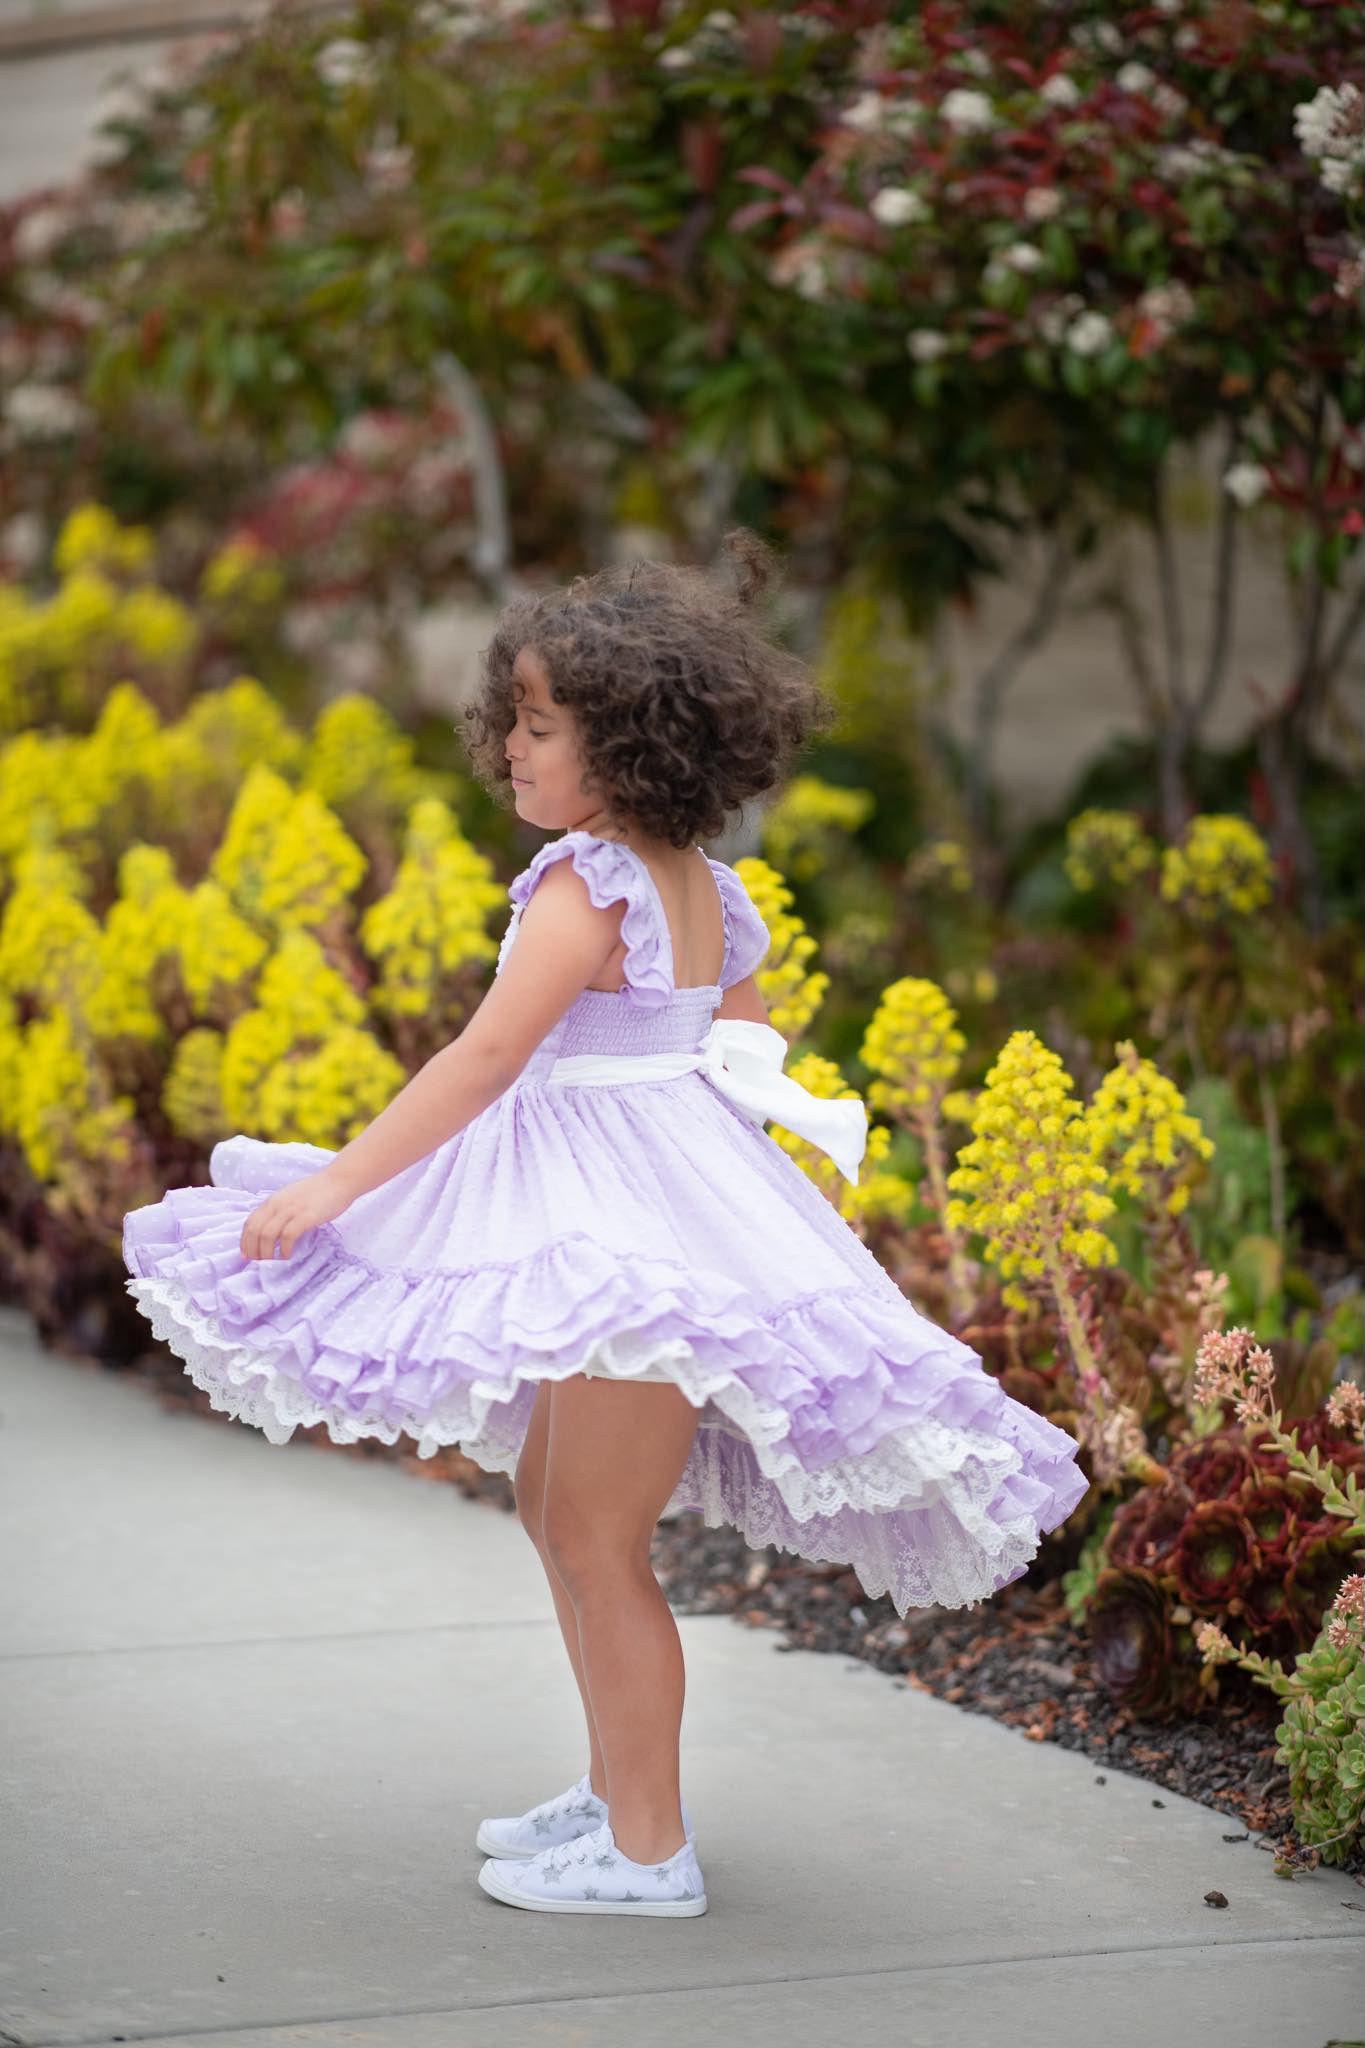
742 999
562 941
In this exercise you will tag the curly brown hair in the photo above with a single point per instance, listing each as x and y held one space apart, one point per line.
684 708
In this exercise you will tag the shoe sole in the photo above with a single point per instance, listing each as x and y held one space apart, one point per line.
656 1909
491 1846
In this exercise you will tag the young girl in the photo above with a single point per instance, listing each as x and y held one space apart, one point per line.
569 1246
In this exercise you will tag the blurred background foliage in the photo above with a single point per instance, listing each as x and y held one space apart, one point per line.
374 311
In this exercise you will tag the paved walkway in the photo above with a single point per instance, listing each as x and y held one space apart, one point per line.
253 1701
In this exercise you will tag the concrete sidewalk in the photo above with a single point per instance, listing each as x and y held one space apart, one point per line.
254 1700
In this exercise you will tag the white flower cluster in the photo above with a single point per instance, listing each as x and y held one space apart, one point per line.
801 265
872 113
719 24
388 165
895 205
1167 305
926 344
1070 322
1180 160
1331 128
1018 256
40 229
1100 35
1089 333
1135 77
1140 78
1060 90
970 113
345 62
42 412
1246 481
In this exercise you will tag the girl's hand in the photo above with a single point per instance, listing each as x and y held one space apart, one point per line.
284 1216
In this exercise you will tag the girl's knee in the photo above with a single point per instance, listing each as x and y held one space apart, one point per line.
585 1550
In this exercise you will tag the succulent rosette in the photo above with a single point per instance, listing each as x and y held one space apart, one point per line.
1214 1558
1136 1644
1213 1467
1276 1508
1326 1554
1265 1610
1146 1529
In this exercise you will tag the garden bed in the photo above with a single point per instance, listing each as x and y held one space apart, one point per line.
1017 1658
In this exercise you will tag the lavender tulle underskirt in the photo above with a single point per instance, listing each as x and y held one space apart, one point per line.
836 1421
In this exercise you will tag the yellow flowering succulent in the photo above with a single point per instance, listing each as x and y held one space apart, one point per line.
91 537
1222 869
1106 849
326 1097
43 798
227 731
1139 1125
11 1063
156 626
140 932
357 753
810 820
430 924
18 634
192 1092
49 941
124 751
1028 1181
940 864
312 865
915 1048
285 858
219 951
64 1116
75 628
792 995
242 575
55 651
299 1065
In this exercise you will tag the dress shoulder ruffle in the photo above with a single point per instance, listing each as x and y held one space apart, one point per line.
747 938
611 874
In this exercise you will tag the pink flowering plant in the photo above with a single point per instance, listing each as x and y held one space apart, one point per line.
1320 1735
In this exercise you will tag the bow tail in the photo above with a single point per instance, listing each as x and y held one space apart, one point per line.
836 1124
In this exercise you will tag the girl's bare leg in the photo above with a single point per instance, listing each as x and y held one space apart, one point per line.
528 1484
614 1455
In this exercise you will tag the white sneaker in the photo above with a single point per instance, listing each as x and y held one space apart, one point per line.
555 1821
594 1876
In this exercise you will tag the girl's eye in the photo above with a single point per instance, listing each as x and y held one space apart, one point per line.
534 734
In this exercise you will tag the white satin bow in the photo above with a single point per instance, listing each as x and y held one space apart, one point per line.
742 1060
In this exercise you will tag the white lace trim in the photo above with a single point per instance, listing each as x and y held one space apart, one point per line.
939 1477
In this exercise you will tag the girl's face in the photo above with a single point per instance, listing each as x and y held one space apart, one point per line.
542 751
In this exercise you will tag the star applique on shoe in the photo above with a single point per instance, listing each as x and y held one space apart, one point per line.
592 1875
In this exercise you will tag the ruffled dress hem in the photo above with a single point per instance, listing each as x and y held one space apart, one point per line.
934 1491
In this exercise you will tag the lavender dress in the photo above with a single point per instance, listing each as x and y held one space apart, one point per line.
646 1230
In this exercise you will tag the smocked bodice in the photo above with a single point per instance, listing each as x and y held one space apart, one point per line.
648 1014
